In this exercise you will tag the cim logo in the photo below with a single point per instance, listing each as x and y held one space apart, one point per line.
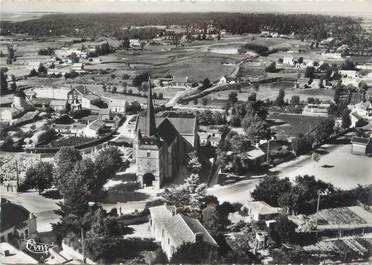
37 248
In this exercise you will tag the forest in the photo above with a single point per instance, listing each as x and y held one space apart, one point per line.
115 24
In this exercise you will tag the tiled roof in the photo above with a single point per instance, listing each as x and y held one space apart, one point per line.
12 214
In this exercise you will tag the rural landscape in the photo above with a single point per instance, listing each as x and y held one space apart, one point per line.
185 138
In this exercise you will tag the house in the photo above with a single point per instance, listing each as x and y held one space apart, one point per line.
222 81
117 105
69 129
361 145
16 221
255 157
180 81
288 60
79 98
274 147
93 129
9 114
58 104
260 210
77 67
332 56
316 110
173 230
366 66
134 43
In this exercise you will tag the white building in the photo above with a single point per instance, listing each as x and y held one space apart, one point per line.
316 110
173 230
260 210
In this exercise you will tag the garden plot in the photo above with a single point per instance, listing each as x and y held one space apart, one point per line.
342 215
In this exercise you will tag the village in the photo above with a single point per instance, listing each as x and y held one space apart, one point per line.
185 144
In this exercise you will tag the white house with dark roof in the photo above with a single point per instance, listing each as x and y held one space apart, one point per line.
260 210
173 230
361 145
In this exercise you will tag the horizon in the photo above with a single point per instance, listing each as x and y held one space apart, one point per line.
322 7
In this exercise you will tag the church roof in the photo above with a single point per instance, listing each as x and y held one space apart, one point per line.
184 125
167 131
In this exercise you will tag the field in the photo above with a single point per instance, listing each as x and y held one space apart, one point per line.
291 125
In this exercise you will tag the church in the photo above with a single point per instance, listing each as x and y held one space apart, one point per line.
162 144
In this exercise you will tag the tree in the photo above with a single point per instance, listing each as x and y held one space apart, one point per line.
8 144
271 68
233 97
193 253
126 43
280 99
255 129
302 144
107 163
3 81
270 189
284 231
309 72
104 238
39 176
252 97
65 160
139 79
345 117
206 83
295 100
33 72
42 69
114 89
194 165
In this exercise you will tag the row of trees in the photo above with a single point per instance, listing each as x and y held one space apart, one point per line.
301 196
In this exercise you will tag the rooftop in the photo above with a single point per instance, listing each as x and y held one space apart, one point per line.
184 125
179 227
12 214
261 207
360 140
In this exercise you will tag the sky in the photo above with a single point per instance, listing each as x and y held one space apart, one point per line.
345 7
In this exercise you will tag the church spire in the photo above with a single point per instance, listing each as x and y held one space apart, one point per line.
150 128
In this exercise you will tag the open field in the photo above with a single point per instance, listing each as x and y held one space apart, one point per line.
291 125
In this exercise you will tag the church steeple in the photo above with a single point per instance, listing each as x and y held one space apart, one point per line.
150 128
